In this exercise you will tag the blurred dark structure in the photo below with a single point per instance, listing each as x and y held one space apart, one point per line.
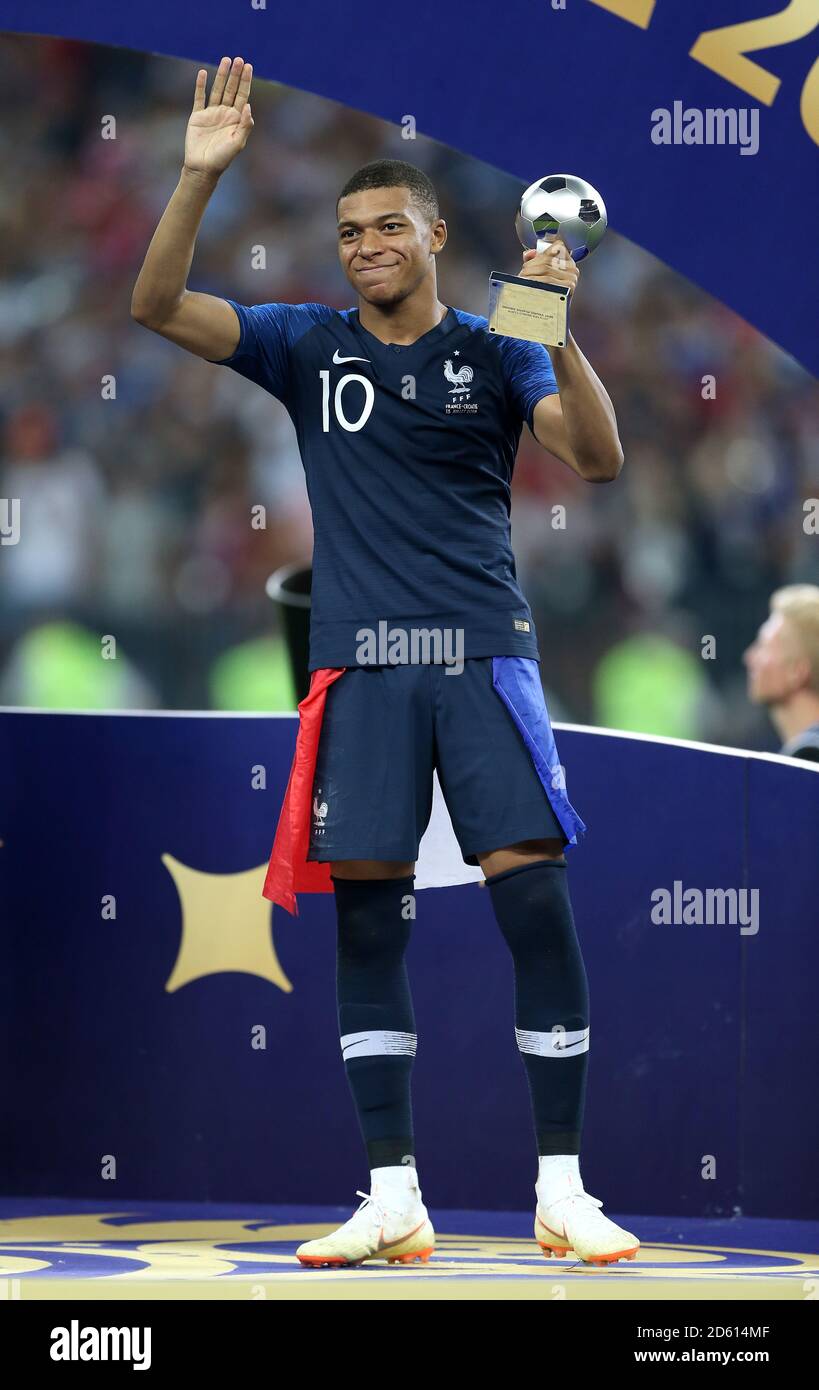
290 589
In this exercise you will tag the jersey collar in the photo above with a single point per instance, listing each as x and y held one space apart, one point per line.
448 323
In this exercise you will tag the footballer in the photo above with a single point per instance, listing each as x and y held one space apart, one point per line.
408 413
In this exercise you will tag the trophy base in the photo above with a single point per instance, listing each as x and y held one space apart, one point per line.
528 309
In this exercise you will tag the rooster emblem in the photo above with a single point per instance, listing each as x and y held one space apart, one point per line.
460 379
320 809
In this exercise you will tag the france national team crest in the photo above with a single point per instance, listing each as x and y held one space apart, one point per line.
461 377
320 809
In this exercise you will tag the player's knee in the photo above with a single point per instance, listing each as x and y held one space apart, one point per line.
367 869
372 923
518 856
533 910
363 939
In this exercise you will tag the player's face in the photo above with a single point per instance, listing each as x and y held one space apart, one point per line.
773 662
386 244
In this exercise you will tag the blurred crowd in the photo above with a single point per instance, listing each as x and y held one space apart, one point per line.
137 466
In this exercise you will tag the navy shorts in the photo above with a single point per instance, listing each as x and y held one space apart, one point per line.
386 728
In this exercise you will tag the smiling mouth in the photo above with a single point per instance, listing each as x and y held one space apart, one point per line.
370 269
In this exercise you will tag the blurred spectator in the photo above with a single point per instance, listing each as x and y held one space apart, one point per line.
61 513
649 685
253 676
783 668
61 666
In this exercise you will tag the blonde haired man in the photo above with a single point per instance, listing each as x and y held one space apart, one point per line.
783 668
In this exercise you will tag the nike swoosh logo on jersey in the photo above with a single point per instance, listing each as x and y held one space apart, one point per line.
337 361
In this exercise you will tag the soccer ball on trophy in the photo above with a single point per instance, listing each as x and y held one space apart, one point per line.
565 206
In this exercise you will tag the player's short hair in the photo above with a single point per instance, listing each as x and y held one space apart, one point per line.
394 173
799 603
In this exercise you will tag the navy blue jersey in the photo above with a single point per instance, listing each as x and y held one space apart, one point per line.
408 453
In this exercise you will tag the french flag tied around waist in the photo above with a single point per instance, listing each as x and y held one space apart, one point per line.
517 683
290 871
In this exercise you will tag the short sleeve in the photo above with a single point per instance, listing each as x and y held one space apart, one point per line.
268 333
529 375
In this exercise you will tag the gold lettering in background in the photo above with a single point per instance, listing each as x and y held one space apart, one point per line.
809 103
725 50
637 12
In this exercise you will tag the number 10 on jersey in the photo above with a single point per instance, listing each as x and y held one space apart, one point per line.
338 402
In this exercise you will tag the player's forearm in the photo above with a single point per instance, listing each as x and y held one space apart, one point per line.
591 424
162 281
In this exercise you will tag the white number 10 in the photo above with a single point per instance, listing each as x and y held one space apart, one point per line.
369 401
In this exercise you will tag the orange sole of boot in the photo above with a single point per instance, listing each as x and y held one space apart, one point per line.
422 1255
599 1260
316 1261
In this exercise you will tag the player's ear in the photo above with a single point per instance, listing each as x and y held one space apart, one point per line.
438 238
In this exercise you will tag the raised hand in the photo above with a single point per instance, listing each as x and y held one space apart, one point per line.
218 130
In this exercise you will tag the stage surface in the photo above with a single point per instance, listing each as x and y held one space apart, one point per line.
53 1249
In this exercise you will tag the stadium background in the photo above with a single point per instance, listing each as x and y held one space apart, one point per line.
137 509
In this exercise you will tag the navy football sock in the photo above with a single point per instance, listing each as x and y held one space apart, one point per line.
534 913
375 1015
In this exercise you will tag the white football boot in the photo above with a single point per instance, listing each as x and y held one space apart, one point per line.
568 1218
391 1224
